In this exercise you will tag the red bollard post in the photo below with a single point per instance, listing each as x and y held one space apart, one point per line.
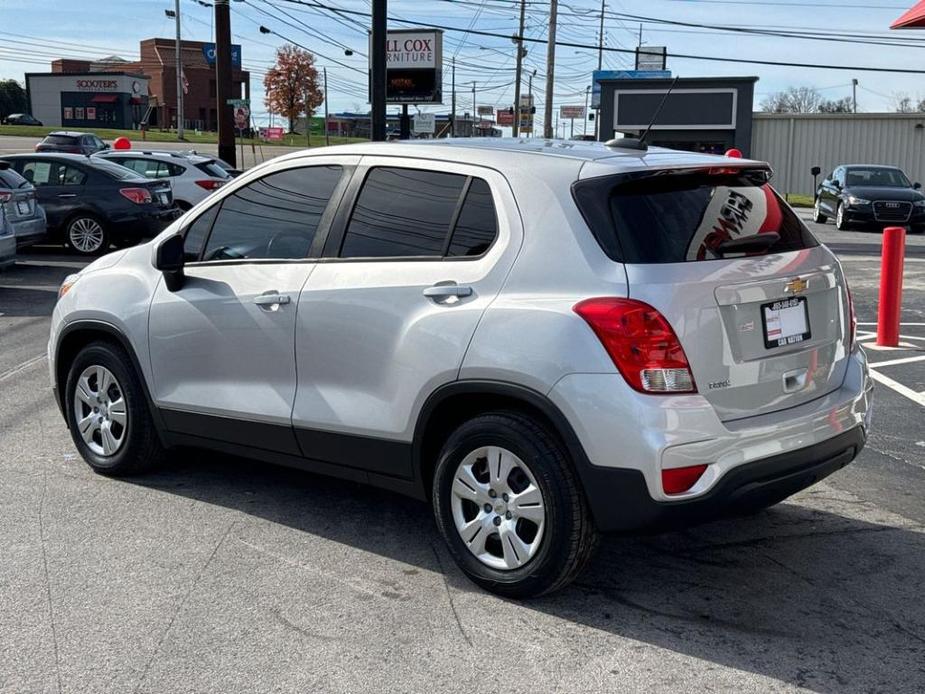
891 286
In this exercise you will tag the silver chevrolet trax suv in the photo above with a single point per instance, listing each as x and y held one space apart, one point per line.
547 340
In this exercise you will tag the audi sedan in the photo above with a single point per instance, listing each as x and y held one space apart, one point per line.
870 197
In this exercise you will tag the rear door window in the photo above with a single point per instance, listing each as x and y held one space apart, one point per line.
477 225
402 213
38 173
687 217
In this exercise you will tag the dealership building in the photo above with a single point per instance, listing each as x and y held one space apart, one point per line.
88 99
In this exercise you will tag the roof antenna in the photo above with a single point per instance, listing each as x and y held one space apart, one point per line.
640 143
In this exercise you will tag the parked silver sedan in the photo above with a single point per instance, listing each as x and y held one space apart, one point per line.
21 214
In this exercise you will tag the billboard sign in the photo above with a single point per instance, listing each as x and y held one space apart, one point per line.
275 133
599 75
486 110
506 117
424 124
208 52
651 57
414 66
571 112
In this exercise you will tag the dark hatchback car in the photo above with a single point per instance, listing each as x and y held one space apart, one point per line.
21 119
867 196
91 203
71 143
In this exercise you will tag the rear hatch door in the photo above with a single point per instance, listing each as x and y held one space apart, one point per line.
764 325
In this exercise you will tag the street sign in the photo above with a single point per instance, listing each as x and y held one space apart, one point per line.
413 66
238 102
570 112
486 110
424 124
599 75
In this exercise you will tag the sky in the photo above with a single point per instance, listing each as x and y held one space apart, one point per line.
34 32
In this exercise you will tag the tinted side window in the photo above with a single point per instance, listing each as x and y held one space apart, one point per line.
477 225
70 175
197 233
401 213
274 217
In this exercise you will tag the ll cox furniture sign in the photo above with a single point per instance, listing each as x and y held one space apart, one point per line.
414 66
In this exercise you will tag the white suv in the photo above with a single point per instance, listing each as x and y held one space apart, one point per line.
193 177
548 340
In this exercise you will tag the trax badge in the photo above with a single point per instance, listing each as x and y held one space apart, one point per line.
796 286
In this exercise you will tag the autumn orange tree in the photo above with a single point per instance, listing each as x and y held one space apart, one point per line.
292 85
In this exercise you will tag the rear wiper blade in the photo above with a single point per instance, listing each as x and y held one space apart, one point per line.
749 244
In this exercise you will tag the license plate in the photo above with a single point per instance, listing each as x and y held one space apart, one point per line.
163 198
786 322
22 207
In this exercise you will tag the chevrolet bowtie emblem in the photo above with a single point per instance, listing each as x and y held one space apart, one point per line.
796 286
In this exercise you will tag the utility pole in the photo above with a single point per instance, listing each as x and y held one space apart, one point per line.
530 92
474 108
453 116
550 69
379 29
223 84
179 66
584 128
854 93
600 42
520 62
327 138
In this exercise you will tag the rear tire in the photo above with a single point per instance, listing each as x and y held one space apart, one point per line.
543 538
86 234
818 217
105 400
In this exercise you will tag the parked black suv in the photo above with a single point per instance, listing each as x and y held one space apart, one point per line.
71 143
870 196
91 203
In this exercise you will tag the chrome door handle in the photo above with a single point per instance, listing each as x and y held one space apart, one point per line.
67 195
272 299
443 291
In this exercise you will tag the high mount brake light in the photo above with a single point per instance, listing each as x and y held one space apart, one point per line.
641 343
139 196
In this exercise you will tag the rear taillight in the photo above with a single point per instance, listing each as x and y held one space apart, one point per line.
852 319
641 343
210 184
681 479
139 196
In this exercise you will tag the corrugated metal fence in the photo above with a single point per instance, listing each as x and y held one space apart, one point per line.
794 143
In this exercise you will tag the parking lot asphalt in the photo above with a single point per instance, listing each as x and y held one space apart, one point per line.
217 574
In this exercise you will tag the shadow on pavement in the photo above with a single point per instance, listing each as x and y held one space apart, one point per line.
800 593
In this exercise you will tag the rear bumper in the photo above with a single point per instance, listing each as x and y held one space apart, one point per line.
620 500
629 438
29 231
146 224
7 250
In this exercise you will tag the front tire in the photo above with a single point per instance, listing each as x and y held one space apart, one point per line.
86 234
840 222
510 507
107 412
818 216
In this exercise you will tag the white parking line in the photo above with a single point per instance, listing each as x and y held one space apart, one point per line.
894 362
21 367
918 398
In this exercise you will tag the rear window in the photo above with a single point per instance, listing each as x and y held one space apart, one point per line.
210 168
12 180
60 140
678 218
113 170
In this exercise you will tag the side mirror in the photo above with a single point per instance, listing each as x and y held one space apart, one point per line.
169 259
917 185
836 183
815 171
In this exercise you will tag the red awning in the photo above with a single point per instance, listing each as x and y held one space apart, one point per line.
913 19
104 98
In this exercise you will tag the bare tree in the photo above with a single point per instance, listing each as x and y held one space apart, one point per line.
844 105
793 100
902 103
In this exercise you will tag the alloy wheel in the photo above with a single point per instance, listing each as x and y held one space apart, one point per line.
498 508
86 234
99 411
